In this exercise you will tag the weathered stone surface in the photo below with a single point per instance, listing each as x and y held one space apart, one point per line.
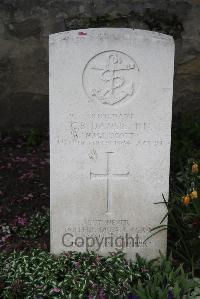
110 126
187 86
26 28
17 108
27 24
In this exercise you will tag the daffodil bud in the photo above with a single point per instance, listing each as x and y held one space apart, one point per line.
186 200
194 194
195 168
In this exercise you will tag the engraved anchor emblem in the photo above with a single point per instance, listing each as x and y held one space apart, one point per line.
110 74
111 77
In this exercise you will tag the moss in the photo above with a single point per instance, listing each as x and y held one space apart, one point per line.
154 20
163 22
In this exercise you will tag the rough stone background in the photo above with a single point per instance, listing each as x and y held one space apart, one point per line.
26 24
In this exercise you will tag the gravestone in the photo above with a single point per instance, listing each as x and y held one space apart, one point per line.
110 130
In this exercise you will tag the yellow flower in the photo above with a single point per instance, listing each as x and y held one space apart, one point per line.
195 168
194 194
186 200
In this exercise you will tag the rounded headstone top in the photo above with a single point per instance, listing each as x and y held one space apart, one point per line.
111 33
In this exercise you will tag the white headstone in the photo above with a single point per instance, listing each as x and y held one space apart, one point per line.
110 130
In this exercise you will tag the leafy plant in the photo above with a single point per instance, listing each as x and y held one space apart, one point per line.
37 226
184 219
196 293
38 274
166 282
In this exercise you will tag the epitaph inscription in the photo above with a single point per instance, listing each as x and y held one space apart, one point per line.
111 77
112 234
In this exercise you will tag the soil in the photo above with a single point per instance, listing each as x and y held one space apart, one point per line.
24 187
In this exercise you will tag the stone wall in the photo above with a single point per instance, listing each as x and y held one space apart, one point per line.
26 24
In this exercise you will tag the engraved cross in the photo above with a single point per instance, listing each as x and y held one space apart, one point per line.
108 176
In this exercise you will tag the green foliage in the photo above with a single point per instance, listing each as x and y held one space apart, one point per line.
166 280
34 137
37 226
196 293
38 274
184 219
185 141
